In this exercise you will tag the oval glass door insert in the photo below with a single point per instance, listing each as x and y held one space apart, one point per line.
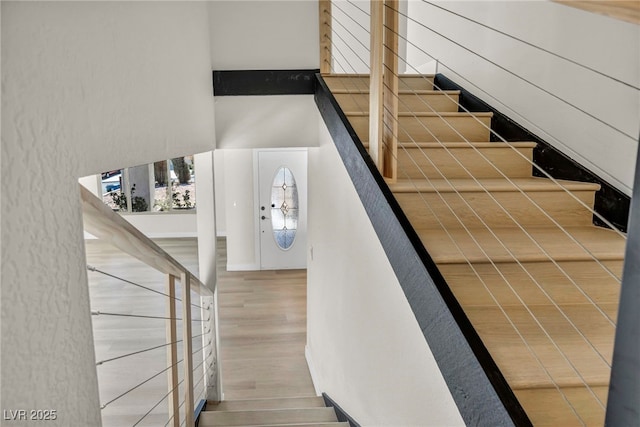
284 208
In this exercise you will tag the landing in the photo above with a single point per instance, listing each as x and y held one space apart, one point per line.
263 332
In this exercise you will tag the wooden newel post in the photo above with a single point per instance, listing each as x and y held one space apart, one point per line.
172 351
390 87
185 280
383 101
376 149
325 36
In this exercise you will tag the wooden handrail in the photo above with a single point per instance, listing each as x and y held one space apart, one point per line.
107 225
376 85
624 10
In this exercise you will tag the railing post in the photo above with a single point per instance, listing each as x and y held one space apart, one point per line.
172 351
390 76
185 280
325 35
376 104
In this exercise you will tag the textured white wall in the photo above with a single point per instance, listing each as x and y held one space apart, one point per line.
364 344
86 87
607 45
264 35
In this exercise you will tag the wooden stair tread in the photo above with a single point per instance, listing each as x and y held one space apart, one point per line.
267 403
552 408
411 81
345 91
410 76
567 345
462 144
488 184
424 114
470 145
457 247
568 282
267 416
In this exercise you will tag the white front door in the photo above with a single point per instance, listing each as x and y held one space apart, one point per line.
281 209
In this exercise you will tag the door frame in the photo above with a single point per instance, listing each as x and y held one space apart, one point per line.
256 195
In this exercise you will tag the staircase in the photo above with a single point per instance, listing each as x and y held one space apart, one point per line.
289 412
538 281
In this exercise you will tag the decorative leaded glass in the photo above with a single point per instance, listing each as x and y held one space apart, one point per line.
284 208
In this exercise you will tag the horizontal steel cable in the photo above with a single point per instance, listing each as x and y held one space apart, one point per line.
631 137
91 268
527 159
137 352
156 405
361 59
356 6
545 173
607 269
500 137
94 269
142 316
173 416
523 268
494 298
547 51
524 193
140 384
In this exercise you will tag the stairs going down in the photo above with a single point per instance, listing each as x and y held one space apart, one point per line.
276 412
538 281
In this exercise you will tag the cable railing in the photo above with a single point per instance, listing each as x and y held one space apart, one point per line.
140 324
499 246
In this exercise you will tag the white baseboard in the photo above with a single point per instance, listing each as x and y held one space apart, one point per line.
312 371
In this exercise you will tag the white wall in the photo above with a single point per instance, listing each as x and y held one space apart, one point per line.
206 218
244 123
364 344
264 35
266 121
219 192
607 45
238 180
86 87
350 37
165 225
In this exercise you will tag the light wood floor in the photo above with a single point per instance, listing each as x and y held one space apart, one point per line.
262 319
263 322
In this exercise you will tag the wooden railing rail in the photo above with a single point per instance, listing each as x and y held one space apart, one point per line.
108 226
